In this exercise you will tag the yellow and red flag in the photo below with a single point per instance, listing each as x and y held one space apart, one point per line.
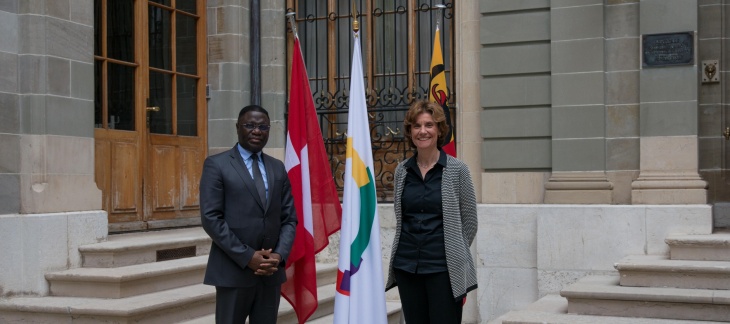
438 91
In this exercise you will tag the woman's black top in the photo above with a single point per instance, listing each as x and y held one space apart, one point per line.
421 246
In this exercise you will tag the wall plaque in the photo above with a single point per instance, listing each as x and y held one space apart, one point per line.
667 49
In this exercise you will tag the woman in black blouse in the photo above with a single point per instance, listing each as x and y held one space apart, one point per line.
436 221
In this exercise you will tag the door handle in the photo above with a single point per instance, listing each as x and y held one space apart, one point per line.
155 109
726 133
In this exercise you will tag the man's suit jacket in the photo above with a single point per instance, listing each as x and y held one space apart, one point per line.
239 224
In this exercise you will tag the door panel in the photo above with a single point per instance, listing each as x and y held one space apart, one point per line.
117 175
176 163
164 184
124 177
192 166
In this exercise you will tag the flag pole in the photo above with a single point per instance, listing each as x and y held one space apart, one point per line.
355 23
290 17
440 7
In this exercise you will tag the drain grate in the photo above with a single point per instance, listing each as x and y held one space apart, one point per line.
177 253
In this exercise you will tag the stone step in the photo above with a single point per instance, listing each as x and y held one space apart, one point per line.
129 280
326 305
602 295
168 306
552 309
145 247
659 271
711 247
326 273
326 279
393 309
325 295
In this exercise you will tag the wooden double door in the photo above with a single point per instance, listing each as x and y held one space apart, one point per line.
150 111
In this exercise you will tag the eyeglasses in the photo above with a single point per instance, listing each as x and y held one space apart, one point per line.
261 127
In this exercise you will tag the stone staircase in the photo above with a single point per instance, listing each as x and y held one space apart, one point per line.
691 285
151 277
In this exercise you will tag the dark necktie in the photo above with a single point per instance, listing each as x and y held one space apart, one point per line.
258 179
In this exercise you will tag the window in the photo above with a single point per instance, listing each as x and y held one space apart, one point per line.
156 49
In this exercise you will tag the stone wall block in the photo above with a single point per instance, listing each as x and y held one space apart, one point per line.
514 59
516 153
710 120
69 155
624 54
622 20
580 154
69 40
622 87
9 200
578 121
33 74
505 289
710 155
10 113
9 36
225 105
623 153
232 76
515 27
499 225
513 187
274 80
510 91
577 237
577 55
661 221
33 114
227 20
588 19
667 16
511 5
58 76
68 116
82 80
8 72
515 122
224 48
578 89
82 12
10 157
669 118
33 29
622 121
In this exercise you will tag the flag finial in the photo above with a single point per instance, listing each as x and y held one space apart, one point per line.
290 16
355 23
439 6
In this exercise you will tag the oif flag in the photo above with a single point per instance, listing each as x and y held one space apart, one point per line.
360 297
315 196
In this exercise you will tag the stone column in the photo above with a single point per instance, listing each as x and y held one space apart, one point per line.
668 115
468 110
49 201
578 107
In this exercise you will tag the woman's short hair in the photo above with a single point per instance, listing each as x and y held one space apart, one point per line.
437 113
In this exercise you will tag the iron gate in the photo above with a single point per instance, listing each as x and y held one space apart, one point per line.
397 41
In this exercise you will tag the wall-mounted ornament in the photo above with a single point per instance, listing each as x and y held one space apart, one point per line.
710 71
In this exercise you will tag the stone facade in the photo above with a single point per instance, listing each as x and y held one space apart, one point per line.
579 155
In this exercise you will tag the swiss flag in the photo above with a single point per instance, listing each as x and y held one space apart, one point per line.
315 196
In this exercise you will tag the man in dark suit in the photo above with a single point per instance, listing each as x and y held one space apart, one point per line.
252 223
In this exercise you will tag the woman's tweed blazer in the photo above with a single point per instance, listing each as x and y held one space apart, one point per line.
460 224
